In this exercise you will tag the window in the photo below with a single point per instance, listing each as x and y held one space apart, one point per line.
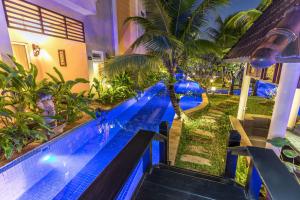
29 17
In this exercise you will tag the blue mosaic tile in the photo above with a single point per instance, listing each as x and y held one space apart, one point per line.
65 167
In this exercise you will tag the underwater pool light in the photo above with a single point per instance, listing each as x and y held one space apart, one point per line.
49 159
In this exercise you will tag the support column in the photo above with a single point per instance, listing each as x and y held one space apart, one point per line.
284 100
244 95
115 27
5 44
294 110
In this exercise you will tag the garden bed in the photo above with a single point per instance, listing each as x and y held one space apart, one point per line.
209 129
32 145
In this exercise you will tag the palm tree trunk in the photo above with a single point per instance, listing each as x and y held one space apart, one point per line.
254 88
223 77
231 92
174 100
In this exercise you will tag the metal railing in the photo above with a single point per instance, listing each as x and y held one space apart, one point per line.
265 169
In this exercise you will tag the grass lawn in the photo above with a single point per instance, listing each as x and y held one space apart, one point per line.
214 148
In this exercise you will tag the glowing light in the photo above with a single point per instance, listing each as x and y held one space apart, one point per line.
211 80
213 89
108 85
45 55
49 159
36 50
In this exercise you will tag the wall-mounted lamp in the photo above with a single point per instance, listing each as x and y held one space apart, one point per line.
36 50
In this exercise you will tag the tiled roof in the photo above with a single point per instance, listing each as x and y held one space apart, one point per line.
256 34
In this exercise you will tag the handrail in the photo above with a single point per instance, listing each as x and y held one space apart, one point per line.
280 183
107 185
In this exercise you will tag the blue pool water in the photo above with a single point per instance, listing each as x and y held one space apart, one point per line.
191 93
65 167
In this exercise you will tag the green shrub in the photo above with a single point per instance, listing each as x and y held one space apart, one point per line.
21 120
113 91
241 170
69 106
20 117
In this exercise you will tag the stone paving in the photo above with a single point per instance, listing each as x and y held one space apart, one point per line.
197 154
195 159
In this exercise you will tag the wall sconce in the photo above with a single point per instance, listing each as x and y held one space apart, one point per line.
36 50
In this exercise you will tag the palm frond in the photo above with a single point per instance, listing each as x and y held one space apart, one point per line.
157 14
244 19
264 4
141 21
132 62
202 47
157 41
198 13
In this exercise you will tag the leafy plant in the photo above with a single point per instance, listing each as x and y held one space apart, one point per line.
69 105
21 119
19 114
173 30
290 153
115 90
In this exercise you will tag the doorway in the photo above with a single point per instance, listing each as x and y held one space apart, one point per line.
20 53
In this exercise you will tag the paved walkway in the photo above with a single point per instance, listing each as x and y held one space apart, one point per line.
195 152
174 139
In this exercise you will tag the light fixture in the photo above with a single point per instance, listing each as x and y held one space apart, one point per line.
213 89
36 50
211 80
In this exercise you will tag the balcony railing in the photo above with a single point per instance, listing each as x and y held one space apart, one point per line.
26 16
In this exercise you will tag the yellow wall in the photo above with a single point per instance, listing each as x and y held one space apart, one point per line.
77 66
127 32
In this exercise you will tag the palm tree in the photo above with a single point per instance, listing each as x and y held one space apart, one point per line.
228 31
173 30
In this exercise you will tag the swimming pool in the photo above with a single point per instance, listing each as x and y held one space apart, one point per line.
65 167
191 93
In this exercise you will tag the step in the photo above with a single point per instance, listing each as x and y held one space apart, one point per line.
205 133
199 160
196 174
153 191
195 185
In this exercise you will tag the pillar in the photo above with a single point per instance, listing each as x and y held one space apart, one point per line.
115 27
284 100
5 44
294 110
244 95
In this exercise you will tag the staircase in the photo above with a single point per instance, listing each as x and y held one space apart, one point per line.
166 182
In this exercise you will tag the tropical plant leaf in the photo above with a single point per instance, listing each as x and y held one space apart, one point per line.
141 21
132 62
56 80
290 153
289 166
278 142
61 77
